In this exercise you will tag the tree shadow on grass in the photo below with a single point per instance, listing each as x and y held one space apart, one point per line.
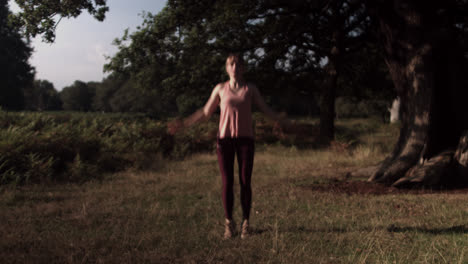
459 229
303 229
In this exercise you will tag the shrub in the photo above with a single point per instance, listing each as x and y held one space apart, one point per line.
350 107
75 147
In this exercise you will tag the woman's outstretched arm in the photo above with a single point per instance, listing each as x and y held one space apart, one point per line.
200 115
260 103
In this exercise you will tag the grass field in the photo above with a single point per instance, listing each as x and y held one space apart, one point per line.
302 212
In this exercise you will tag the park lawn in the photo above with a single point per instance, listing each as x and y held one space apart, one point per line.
173 214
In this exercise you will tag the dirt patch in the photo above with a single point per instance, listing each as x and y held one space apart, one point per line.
369 188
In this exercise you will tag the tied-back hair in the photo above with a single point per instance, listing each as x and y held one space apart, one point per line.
238 55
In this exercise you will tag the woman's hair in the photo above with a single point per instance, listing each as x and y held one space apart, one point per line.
232 55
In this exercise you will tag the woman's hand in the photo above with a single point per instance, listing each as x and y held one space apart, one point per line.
175 126
284 123
282 127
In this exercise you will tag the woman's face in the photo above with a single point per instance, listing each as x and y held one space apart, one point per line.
234 68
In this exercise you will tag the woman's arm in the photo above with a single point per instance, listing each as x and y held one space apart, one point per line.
200 115
260 103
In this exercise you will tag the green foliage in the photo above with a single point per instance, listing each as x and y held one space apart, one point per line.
104 93
187 104
157 71
177 56
200 138
42 96
39 17
15 71
65 146
352 107
71 147
78 97
365 75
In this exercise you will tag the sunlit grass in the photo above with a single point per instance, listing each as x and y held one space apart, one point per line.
173 214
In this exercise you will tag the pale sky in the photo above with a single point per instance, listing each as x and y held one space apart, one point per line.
81 43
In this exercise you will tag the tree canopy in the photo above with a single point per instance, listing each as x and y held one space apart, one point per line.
41 17
42 96
179 53
15 71
170 64
78 96
34 18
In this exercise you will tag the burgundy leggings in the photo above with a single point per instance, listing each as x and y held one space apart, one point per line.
226 149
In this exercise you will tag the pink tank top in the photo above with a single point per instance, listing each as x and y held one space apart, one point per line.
236 112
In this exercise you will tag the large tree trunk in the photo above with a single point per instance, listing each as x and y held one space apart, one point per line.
327 101
327 105
424 63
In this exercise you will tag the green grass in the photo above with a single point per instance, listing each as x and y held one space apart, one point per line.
173 213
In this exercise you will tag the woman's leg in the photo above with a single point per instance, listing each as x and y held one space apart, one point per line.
245 149
225 152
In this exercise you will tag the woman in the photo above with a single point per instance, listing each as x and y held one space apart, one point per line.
235 135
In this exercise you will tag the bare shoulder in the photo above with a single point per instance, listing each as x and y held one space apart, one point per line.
217 89
219 86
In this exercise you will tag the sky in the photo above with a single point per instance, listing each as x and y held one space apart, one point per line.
82 43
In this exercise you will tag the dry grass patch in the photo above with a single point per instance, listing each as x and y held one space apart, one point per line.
174 214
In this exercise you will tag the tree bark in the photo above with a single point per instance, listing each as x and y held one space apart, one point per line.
327 101
422 58
460 169
327 105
